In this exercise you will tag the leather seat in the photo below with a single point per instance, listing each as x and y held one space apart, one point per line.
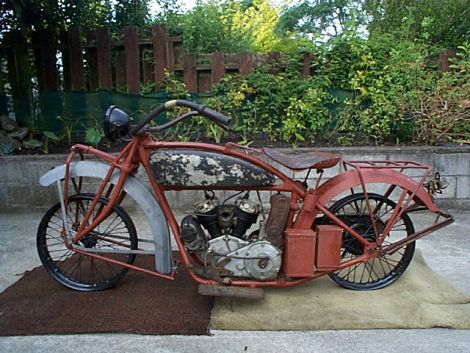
302 161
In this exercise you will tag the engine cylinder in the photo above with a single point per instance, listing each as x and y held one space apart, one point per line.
208 215
246 213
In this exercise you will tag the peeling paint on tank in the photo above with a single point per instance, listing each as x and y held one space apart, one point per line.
185 167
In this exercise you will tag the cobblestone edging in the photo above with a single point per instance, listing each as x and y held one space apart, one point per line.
20 190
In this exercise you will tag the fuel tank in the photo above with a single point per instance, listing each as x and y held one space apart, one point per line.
193 168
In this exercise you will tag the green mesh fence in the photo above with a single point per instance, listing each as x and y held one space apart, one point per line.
3 105
54 111
57 111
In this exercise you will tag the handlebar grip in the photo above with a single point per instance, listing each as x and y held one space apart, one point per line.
219 118
214 115
203 110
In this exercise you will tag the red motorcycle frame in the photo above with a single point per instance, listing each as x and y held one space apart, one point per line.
314 235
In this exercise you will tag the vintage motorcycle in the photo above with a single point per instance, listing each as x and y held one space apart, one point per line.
268 229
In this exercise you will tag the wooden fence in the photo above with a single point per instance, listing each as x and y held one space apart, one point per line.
96 61
100 62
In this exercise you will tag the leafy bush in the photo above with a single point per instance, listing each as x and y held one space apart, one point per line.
395 95
282 106
443 113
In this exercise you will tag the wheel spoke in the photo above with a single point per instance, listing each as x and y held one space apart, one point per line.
83 271
378 271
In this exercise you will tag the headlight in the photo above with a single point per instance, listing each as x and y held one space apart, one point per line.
116 123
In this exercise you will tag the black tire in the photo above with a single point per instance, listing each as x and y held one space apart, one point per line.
381 271
82 272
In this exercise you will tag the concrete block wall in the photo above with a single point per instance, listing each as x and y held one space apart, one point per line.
20 189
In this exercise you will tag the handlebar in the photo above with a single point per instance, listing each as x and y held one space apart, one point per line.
200 109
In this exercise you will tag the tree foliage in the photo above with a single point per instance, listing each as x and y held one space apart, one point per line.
445 23
230 26
321 19
57 15
131 13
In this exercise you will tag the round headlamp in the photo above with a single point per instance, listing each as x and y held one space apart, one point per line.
116 123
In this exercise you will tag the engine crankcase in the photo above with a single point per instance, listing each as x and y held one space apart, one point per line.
260 260
224 245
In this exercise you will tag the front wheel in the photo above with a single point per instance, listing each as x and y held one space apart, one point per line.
116 233
383 270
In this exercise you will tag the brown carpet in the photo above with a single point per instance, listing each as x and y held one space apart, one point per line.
419 299
140 303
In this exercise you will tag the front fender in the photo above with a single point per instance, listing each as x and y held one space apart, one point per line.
347 180
135 188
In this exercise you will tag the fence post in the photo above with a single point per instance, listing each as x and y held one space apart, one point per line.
306 65
160 60
131 47
77 77
92 58
120 69
245 63
103 52
217 66
444 56
20 77
190 72
49 99
46 60
273 61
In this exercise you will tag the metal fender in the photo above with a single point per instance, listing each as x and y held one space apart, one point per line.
135 188
347 180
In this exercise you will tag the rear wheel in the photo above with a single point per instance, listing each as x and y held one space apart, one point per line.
377 272
81 272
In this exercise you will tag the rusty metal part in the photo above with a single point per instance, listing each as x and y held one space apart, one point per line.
216 271
277 219
348 180
302 161
448 219
299 254
329 238
191 167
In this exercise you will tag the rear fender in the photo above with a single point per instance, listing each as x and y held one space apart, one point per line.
347 180
135 188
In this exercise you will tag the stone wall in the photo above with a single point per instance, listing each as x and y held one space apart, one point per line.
20 190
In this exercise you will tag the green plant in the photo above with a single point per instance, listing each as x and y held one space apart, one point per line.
69 124
32 144
215 132
443 114
306 116
93 135
6 149
49 136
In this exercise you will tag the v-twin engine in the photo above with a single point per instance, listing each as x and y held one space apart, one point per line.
230 242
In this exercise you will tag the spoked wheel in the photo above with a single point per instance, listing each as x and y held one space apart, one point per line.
81 272
380 271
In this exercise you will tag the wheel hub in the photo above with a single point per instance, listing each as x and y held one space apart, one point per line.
89 240
362 225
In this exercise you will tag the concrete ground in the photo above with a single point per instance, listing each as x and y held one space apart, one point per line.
446 251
